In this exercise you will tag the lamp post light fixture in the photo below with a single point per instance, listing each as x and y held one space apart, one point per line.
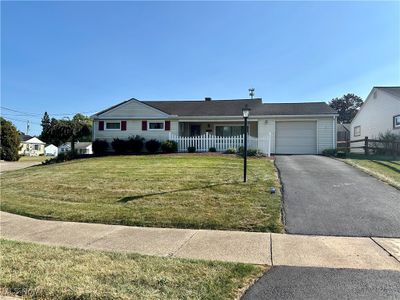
246 113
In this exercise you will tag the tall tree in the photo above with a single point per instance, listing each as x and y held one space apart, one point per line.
70 130
347 107
10 141
46 128
87 121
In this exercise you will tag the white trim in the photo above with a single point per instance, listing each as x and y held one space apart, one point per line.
156 129
232 125
97 115
105 125
354 131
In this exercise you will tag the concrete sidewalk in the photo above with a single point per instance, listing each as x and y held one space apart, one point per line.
234 246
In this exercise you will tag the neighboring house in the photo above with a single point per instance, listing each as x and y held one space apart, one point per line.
51 150
379 113
295 128
80 148
31 146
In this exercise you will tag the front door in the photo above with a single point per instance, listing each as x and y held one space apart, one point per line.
194 130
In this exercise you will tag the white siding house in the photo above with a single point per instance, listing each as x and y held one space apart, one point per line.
80 148
379 113
51 150
294 128
31 146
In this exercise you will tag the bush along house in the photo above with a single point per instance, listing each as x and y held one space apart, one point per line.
280 128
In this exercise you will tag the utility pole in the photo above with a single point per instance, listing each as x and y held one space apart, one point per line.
27 127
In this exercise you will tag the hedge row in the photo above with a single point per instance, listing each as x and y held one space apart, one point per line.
135 144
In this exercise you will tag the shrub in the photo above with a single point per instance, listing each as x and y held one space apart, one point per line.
153 146
61 157
250 152
386 143
329 152
169 146
120 146
212 149
341 154
230 151
99 146
191 149
135 144
9 145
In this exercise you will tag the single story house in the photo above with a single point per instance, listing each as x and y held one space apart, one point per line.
31 145
80 148
51 150
293 128
379 113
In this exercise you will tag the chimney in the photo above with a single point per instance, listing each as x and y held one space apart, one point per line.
207 98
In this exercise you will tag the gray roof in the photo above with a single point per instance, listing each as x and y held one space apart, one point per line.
24 137
234 107
394 90
193 108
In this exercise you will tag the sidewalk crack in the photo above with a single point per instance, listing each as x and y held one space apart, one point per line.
270 248
380 246
183 244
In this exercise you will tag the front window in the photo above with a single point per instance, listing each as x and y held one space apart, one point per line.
36 147
357 131
229 130
156 125
113 125
396 122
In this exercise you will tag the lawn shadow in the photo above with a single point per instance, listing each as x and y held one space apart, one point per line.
387 166
132 198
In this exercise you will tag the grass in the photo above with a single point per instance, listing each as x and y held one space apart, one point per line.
45 272
383 167
33 158
184 191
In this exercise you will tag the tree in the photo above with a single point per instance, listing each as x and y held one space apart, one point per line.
88 123
45 136
347 107
10 142
70 130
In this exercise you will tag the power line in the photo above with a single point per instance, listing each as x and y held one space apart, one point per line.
20 120
51 114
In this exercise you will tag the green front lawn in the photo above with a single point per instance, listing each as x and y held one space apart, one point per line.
382 167
186 191
44 272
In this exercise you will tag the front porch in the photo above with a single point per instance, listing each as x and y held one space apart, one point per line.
217 128
221 135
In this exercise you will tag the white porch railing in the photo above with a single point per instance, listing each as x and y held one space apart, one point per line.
204 142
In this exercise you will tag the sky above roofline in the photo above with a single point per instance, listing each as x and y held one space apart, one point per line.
68 57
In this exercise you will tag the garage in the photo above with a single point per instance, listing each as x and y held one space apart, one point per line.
296 137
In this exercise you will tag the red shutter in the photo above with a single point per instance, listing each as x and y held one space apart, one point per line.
167 125
123 125
144 125
101 125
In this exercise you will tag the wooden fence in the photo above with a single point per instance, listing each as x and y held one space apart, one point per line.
204 142
371 145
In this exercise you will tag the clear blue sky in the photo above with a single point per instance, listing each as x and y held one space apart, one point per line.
67 57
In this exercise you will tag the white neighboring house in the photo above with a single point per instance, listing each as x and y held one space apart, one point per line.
291 128
51 150
379 113
31 146
80 148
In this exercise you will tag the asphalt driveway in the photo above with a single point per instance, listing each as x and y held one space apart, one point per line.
323 196
323 283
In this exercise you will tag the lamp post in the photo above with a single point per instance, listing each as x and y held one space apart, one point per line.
246 112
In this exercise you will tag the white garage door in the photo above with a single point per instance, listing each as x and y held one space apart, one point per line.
296 137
